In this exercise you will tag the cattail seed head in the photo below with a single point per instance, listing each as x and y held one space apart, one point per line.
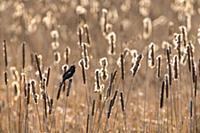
162 94
5 53
122 101
6 78
81 64
54 34
159 58
57 57
183 30
66 55
97 79
151 55
111 37
93 107
15 73
170 29
136 65
176 68
147 28
15 85
55 45
87 33
80 33
198 35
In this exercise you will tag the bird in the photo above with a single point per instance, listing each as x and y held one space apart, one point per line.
68 74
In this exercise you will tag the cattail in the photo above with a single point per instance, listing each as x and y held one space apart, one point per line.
38 66
198 35
183 30
5 53
67 53
144 7
188 22
191 109
122 101
6 78
87 33
81 64
104 18
15 85
170 29
122 66
80 33
151 55
54 34
57 57
189 57
93 107
111 37
159 66
55 45
85 55
109 110
175 67
69 87
162 94
33 84
48 76
45 103
25 90
147 28
23 55
28 93
104 63
15 73
87 126
136 66
97 79
50 105
179 46
193 70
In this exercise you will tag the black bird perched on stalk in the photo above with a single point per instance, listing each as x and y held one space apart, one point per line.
67 75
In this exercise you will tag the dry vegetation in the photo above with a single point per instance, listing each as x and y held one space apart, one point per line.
137 66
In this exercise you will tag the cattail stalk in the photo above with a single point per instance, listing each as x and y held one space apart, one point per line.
122 66
112 77
38 67
65 104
